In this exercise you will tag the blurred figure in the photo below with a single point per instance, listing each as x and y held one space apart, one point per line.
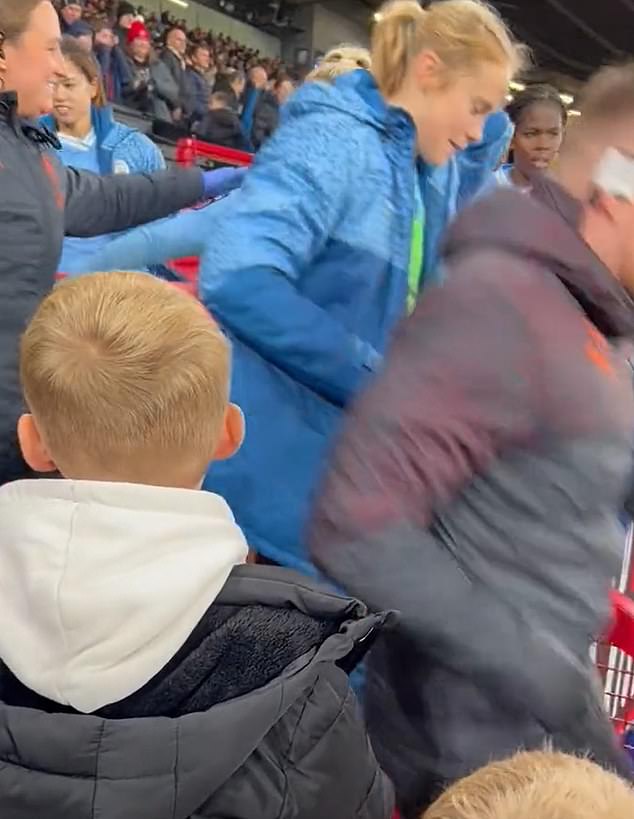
340 60
83 34
539 785
112 62
266 116
173 57
126 14
70 12
233 83
198 88
256 85
221 125
539 117
90 138
478 484
152 89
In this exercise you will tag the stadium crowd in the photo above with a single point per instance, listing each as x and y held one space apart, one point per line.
394 432
201 81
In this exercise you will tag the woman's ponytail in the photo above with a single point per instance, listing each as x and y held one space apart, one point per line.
394 43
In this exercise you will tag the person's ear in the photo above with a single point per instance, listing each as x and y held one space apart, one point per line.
609 206
94 90
33 447
232 435
430 71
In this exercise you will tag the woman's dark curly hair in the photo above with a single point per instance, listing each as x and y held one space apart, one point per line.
535 95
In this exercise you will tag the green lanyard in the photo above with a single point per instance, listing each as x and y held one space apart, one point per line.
415 270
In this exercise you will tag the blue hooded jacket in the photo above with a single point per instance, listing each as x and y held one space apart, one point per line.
119 149
306 269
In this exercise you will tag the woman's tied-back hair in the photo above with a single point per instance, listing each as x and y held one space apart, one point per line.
341 60
535 95
540 785
87 65
127 378
463 33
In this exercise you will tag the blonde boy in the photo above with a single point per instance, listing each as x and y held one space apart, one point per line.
143 670
539 785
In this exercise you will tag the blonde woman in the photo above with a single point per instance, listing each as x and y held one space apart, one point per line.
330 241
339 61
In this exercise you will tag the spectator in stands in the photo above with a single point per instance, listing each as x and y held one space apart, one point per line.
84 34
266 116
126 15
173 56
112 61
199 90
256 85
41 200
233 83
143 666
538 785
70 12
327 245
339 61
151 89
221 125
477 487
90 138
539 117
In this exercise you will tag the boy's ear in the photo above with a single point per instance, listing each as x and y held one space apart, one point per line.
33 448
232 435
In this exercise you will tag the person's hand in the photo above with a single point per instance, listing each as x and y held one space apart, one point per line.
222 181
177 114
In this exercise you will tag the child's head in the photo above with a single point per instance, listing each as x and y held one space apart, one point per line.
340 60
540 785
126 379
447 65
539 117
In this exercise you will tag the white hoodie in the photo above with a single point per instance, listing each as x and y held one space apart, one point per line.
102 583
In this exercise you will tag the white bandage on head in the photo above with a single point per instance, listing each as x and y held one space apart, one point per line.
614 174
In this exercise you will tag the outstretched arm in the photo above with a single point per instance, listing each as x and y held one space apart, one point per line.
105 204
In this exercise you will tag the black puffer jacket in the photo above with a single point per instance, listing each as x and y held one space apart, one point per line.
254 718
40 202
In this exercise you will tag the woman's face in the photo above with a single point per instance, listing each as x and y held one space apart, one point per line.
140 49
73 96
33 63
450 112
538 137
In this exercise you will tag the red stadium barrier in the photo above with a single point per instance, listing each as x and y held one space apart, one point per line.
189 151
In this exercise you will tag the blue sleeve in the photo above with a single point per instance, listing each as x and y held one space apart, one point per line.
478 161
155 243
266 236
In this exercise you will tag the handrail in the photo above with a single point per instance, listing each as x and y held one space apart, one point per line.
189 150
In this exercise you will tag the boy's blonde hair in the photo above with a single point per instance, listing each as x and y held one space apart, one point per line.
463 33
127 379
339 61
540 785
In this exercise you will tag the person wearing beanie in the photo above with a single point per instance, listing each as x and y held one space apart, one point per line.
70 13
151 88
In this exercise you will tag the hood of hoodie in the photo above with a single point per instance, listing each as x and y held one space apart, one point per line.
102 583
545 227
